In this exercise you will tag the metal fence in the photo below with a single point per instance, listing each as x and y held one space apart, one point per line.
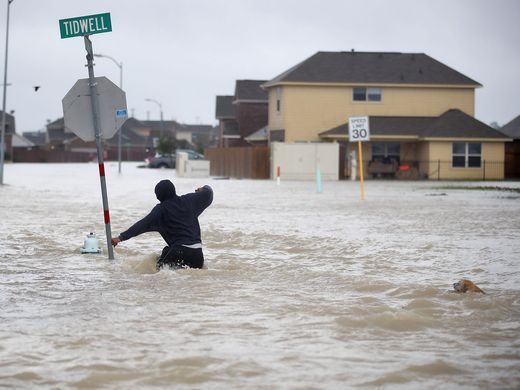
434 170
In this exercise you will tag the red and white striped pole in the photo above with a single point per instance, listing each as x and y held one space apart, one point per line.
106 211
278 175
95 117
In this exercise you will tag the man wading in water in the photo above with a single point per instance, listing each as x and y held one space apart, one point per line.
176 220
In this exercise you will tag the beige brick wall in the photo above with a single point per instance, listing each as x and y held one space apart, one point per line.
275 116
308 110
492 167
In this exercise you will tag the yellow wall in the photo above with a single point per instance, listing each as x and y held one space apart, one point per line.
307 110
275 116
435 158
492 166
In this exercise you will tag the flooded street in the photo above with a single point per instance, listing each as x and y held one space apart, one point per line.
300 290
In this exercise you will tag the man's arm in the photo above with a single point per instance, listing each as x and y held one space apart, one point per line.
147 224
203 197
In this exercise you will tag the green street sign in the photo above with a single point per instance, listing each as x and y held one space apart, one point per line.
85 25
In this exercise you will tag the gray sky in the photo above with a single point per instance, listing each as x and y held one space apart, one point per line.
183 53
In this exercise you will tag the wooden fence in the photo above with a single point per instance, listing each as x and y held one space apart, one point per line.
36 155
241 162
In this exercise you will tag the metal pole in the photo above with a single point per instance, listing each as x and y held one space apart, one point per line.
162 124
120 131
120 135
160 111
2 140
95 118
361 180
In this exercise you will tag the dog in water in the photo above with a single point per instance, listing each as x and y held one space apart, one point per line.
465 285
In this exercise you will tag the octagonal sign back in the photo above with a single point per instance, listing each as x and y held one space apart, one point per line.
77 109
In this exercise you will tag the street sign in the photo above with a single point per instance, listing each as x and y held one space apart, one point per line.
77 109
94 108
358 129
85 25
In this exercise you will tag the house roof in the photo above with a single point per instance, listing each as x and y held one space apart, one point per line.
259 135
196 129
250 91
19 141
452 124
165 125
59 135
512 128
225 108
455 123
36 137
373 68
57 124
129 137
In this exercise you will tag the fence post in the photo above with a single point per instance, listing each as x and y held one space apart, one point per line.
484 170
438 170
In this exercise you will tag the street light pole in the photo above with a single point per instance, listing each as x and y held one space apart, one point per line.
2 140
120 66
161 112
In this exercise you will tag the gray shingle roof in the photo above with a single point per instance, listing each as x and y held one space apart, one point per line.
196 129
512 128
373 68
164 125
36 137
452 124
250 90
59 135
455 123
261 134
225 107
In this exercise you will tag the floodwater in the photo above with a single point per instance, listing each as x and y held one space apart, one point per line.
300 291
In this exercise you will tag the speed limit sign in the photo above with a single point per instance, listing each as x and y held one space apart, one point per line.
358 129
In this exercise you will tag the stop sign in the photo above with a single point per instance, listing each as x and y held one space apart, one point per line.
77 109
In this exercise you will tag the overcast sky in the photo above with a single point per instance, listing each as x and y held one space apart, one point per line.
183 53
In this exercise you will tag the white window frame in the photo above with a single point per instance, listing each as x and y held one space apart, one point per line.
368 91
466 155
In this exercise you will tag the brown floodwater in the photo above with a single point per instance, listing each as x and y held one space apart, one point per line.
300 289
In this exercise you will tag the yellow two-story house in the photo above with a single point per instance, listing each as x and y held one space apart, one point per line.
421 114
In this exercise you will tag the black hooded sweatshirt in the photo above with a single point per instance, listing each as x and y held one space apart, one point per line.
176 217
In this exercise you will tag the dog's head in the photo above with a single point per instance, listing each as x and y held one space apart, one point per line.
465 285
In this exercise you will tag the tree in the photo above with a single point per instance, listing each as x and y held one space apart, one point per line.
166 145
495 125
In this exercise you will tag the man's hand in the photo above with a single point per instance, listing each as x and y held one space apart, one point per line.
115 241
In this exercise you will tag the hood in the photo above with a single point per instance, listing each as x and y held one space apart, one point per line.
165 190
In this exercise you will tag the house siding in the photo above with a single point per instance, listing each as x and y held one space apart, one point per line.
276 118
492 167
251 117
308 110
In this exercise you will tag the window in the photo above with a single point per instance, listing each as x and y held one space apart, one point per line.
466 154
361 94
278 99
386 151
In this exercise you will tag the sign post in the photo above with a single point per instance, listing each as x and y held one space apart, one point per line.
359 130
84 26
